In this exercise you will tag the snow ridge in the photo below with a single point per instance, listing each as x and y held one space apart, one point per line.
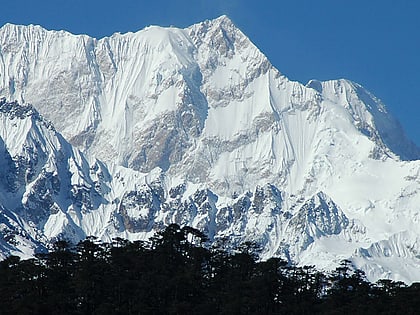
135 131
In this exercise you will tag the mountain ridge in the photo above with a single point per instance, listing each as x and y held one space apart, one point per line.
195 126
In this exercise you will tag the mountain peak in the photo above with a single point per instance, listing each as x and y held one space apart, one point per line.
221 26
190 124
223 20
370 116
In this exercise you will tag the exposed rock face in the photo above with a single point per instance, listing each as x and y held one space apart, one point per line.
318 217
194 126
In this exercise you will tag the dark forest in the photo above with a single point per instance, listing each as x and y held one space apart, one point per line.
178 272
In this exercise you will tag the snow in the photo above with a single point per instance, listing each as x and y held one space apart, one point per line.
204 109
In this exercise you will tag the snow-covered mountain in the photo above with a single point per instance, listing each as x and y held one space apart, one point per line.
195 126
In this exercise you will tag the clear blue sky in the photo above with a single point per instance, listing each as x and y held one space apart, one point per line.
373 42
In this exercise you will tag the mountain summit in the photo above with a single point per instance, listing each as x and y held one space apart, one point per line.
195 126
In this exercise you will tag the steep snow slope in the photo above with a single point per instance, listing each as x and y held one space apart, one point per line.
195 126
46 184
112 95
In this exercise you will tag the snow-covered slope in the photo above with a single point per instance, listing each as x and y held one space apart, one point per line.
195 126
42 175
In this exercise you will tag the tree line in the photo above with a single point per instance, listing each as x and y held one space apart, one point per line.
178 272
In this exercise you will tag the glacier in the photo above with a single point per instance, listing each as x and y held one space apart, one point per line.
120 136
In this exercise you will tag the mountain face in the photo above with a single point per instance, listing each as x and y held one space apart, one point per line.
194 126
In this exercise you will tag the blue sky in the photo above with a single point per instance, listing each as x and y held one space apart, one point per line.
373 42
